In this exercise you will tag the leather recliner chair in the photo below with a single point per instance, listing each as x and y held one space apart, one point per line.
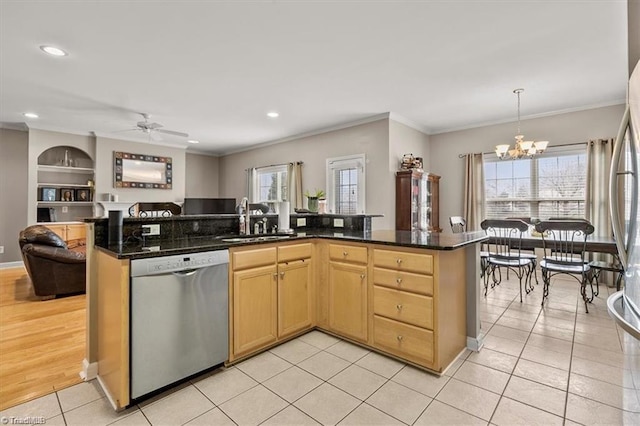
53 268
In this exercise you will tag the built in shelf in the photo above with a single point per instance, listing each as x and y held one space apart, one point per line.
63 169
65 203
64 185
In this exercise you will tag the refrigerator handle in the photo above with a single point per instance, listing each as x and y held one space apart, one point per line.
618 232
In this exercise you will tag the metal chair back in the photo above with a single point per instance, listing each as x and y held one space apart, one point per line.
564 243
458 224
505 235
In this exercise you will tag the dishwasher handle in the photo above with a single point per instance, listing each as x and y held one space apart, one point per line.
185 273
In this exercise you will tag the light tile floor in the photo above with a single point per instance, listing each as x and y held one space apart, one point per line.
539 366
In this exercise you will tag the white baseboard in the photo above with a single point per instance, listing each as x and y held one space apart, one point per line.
475 343
89 370
106 392
7 265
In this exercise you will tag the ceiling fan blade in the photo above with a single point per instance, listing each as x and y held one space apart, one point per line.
126 130
171 132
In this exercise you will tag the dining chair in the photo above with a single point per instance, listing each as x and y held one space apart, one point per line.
564 244
458 224
505 243
530 253
599 266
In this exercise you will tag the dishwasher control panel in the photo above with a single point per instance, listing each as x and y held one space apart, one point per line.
164 264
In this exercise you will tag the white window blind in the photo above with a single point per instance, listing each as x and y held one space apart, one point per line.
552 185
346 184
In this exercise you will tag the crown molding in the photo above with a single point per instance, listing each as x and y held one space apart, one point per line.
319 131
410 123
532 116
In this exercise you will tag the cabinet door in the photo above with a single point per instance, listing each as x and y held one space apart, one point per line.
61 230
76 232
254 309
294 296
348 299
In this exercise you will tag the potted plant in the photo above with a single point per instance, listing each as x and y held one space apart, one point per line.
312 199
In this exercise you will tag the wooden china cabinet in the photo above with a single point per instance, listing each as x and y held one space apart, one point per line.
417 201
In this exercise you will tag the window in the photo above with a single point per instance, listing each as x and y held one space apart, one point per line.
270 184
345 184
541 187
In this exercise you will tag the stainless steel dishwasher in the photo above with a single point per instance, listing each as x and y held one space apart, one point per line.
179 317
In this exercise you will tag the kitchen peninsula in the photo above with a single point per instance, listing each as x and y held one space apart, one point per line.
410 295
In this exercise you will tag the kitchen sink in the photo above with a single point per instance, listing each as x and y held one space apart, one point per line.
255 238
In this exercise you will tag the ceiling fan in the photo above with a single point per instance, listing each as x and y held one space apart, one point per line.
151 128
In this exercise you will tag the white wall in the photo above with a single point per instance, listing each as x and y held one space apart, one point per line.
14 151
201 176
104 171
40 141
370 139
558 129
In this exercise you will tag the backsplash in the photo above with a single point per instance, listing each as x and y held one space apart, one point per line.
178 227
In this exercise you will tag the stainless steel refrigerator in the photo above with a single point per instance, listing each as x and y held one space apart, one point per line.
624 306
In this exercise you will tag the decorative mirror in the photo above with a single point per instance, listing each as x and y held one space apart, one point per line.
142 171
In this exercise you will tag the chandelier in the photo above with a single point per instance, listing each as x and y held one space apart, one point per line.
522 148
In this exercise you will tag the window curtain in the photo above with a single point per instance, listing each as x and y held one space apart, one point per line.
474 208
294 185
251 181
599 153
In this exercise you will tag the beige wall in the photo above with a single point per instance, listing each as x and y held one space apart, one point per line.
104 171
407 140
370 139
14 152
201 176
558 129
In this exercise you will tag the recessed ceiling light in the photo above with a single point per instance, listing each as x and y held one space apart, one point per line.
273 114
30 115
54 51
193 141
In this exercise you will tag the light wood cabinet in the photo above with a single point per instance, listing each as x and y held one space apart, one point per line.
348 313
294 296
73 234
255 318
271 295
418 312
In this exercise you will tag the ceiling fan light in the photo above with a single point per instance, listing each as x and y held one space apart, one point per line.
53 51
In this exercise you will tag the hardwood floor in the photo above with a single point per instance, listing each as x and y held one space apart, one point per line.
42 343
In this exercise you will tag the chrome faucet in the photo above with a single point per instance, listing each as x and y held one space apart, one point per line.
244 210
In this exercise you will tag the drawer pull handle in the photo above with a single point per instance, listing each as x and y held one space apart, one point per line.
399 338
344 253
399 307
399 281
281 274
398 261
362 276
275 275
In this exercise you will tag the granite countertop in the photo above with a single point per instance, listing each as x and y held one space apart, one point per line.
136 249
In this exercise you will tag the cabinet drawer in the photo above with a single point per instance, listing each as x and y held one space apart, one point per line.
403 261
294 252
347 253
253 258
403 340
402 306
403 280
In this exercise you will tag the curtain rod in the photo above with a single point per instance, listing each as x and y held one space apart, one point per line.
552 146
274 165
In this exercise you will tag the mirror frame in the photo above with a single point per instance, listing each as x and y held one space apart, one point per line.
118 171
